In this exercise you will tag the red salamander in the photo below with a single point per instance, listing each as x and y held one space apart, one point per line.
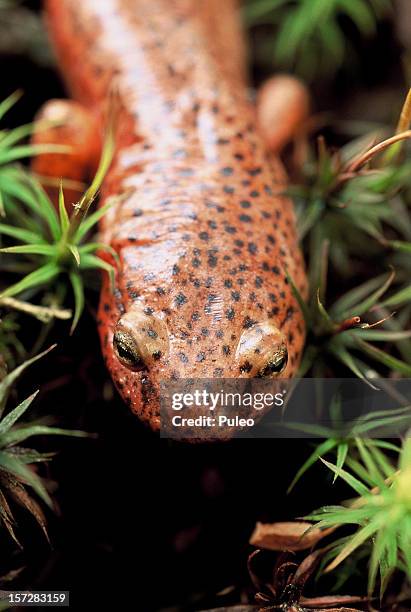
203 234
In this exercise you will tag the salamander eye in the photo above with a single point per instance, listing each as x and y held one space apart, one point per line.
276 364
127 352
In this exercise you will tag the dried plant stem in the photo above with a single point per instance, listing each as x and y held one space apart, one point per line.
42 313
405 117
362 159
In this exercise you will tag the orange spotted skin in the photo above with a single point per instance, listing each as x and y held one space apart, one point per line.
203 237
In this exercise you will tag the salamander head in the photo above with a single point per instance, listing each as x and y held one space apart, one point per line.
142 350
141 340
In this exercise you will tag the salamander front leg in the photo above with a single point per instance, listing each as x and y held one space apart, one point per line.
283 104
72 125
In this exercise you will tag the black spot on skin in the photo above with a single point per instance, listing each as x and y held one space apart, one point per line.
212 261
222 141
275 270
245 218
289 313
227 171
156 355
230 229
180 299
228 283
239 243
230 314
196 263
268 190
245 204
226 350
200 357
254 193
218 372
239 156
245 367
258 281
106 307
195 316
204 331
148 310
235 295
204 236
228 189
219 334
137 212
271 239
176 270
272 297
152 333
183 357
247 323
252 248
255 171
212 224
160 291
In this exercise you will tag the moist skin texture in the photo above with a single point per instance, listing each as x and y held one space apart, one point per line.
203 236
